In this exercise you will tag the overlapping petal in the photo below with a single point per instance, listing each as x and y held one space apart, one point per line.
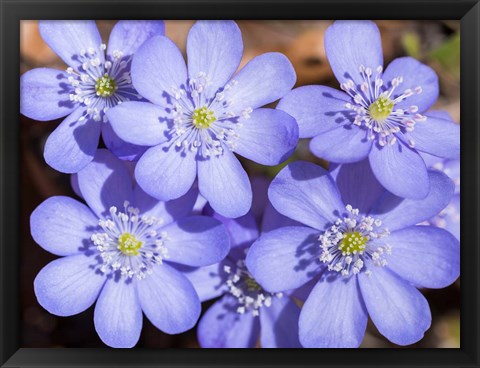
45 94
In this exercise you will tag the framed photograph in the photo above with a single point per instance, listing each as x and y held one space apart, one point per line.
239 184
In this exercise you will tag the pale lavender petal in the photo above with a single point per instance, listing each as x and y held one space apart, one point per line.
68 38
222 327
285 258
118 317
69 285
267 137
128 35
333 315
169 300
62 225
414 74
225 184
105 182
398 310
158 67
400 170
214 48
425 256
350 44
165 172
345 144
306 193
317 109
279 324
72 145
397 213
45 94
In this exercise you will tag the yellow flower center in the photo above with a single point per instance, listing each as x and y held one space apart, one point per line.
105 86
129 244
252 285
353 243
381 108
202 118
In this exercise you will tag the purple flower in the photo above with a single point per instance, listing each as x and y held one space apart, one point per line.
380 114
121 251
202 112
97 78
361 247
245 314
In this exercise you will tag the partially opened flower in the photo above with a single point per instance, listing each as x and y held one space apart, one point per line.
360 246
97 78
121 251
246 315
381 114
203 113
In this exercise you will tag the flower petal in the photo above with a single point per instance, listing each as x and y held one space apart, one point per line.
426 256
208 281
285 258
267 137
400 170
397 213
69 285
414 74
62 225
279 324
398 310
166 173
345 144
264 79
306 193
350 44
169 300
167 211
45 94
317 109
437 137
272 219
105 182
333 315
222 327
128 35
157 67
140 123
358 186
68 38
449 218
224 183
197 241
118 317
72 145
123 150
214 48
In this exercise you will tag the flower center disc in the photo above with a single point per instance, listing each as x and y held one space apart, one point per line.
129 244
105 86
353 243
381 108
252 285
202 118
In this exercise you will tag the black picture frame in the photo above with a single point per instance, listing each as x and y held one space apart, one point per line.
12 11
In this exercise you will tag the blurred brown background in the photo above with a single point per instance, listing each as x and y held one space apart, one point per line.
436 43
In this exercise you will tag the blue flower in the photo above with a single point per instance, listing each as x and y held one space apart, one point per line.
449 217
121 251
380 114
245 315
97 78
202 113
360 248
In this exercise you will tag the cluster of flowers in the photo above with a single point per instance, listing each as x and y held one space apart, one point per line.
169 222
